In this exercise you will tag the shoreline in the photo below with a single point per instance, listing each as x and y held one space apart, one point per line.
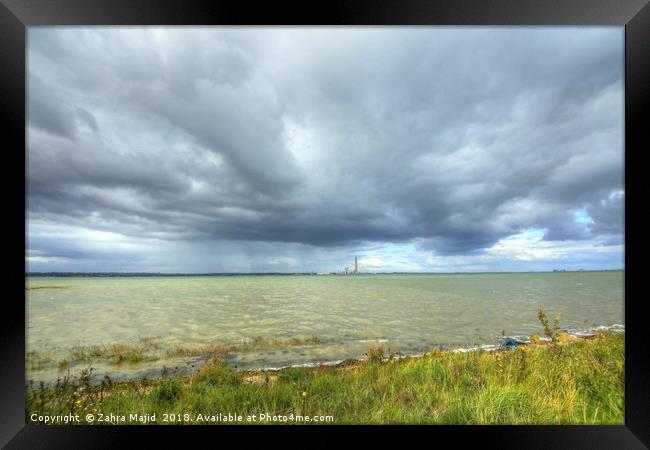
337 364
193 363
508 386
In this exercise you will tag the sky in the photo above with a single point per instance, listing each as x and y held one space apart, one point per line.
290 149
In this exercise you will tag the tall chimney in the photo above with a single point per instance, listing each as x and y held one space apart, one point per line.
356 266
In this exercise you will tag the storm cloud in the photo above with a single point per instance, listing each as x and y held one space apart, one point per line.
305 144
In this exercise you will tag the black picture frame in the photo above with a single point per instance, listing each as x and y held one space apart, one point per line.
634 15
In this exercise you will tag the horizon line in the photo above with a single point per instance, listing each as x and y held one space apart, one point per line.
312 273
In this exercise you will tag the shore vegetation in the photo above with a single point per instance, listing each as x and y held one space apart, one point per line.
549 382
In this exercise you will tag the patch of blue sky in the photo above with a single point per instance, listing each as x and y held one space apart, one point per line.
532 234
582 217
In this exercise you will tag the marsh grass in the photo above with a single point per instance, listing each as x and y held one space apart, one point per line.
38 360
206 351
147 349
31 288
261 343
580 382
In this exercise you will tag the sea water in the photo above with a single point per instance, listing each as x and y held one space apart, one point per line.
348 314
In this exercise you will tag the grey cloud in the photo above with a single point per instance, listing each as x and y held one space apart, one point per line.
87 118
328 137
47 111
608 214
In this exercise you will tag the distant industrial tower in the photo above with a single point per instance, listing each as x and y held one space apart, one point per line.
356 266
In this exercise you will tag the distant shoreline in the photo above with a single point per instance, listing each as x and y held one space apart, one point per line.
233 274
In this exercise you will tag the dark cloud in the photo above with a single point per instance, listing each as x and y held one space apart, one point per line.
47 111
608 214
453 138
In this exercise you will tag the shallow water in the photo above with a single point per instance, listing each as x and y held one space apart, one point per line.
408 313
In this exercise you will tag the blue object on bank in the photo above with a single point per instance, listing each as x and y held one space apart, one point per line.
509 343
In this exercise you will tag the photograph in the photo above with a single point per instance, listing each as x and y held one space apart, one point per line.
347 225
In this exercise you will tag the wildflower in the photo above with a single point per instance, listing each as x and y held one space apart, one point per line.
305 393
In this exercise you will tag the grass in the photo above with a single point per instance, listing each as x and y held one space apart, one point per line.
581 382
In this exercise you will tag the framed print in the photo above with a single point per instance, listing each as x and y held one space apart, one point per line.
411 215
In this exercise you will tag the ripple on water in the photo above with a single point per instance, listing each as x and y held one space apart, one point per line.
405 311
